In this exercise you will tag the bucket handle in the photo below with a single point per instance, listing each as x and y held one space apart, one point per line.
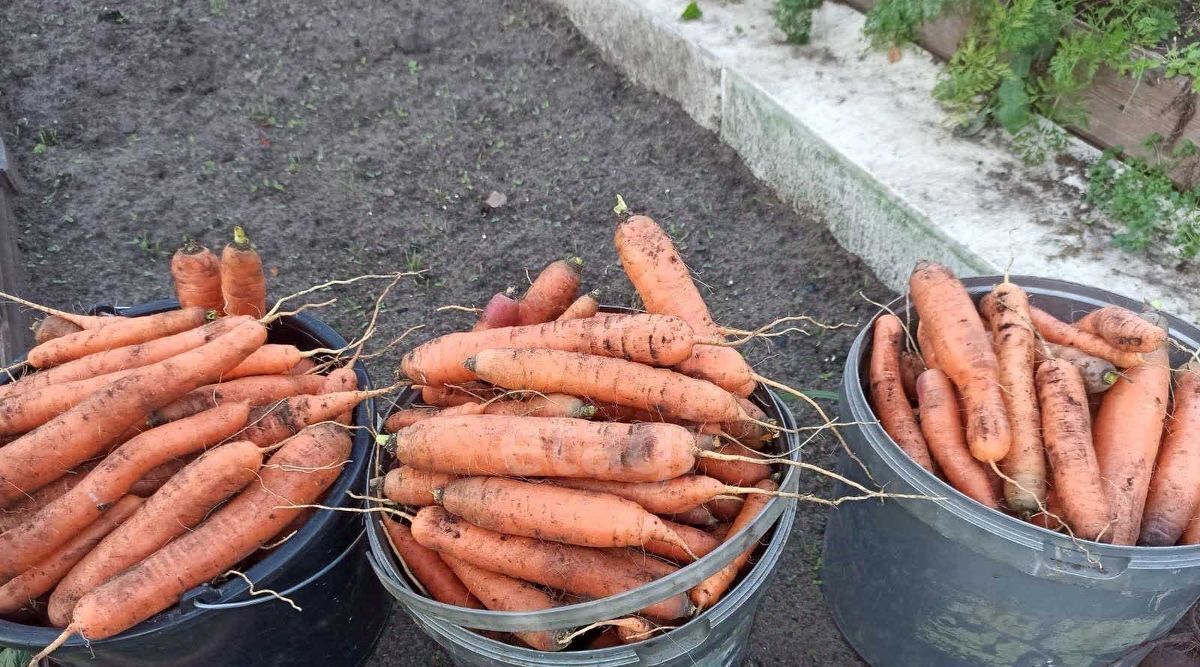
267 598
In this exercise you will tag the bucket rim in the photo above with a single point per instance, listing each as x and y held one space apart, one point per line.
235 587
994 521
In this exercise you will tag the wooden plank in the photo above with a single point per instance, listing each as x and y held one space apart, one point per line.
15 337
1120 110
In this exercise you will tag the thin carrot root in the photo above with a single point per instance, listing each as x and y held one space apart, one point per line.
262 591
332 283
67 633
767 330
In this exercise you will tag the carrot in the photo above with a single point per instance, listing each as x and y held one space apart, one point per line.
1126 435
303 367
409 486
1015 341
1056 331
1192 534
501 311
585 306
551 292
735 473
750 433
196 272
53 525
407 417
1174 496
549 447
699 543
666 287
448 397
153 480
254 389
124 358
607 380
16 514
542 405
1067 434
943 431
678 494
887 391
707 592
24 590
549 512
657 340
1051 517
296 475
911 367
964 352
270 424
1098 374
340 380
725 509
270 359
119 333
1123 329
43 455
29 410
925 345
243 285
699 515
53 326
182 503
503 593
428 568
580 570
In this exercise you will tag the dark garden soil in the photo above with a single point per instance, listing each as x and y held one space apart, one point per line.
363 137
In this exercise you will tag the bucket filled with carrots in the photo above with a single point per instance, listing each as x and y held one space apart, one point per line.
1046 429
166 464
570 484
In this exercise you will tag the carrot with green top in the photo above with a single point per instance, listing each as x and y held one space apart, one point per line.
243 284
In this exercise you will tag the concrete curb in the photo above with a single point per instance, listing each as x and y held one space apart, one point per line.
833 127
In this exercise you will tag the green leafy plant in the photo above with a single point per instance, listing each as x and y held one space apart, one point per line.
795 19
691 12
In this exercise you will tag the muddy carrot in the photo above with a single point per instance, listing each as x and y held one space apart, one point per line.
428 568
585 306
196 272
887 391
119 333
1123 328
409 486
1056 331
1174 496
551 292
501 311
53 326
709 591
502 593
943 431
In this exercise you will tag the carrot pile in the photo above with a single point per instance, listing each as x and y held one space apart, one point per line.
1081 427
146 455
561 453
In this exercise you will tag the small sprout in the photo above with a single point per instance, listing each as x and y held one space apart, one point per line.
691 12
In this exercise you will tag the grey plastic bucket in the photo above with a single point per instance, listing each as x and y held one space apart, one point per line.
716 637
951 582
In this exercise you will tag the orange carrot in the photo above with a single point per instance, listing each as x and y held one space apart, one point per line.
925 345
428 568
270 424
607 380
1192 534
943 431
341 380
254 389
303 367
1067 434
699 543
119 333
407 417
297 474
1015 340
29 505
964 352
707 592
38 580
581 570
153 480
699 515
53 525
554 447
409 486
585 306
887 391
243 285
270 359
542 405
503 593
179 505
1055 330
53 326
1098 374
1174 497
551 292
123 358
448 397
1126 436
30 409
501 311
549 512
725 509
1123 329
657 340
666 287
43 455
735 473
911 367
678 494
196 272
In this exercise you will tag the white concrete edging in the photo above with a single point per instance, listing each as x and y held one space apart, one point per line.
833 127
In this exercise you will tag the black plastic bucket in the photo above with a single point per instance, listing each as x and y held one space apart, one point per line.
322 568
951 582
